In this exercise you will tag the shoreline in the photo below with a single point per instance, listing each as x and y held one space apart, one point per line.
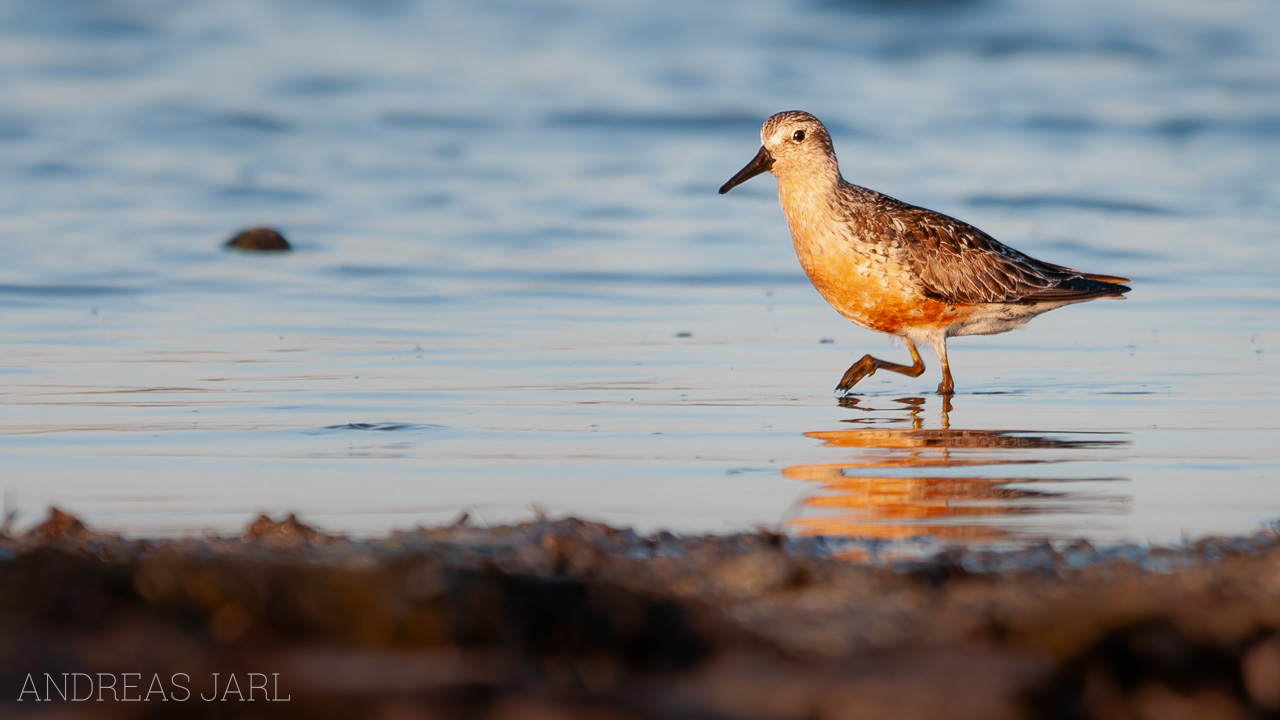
573 619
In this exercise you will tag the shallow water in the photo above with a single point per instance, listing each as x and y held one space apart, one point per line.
515 289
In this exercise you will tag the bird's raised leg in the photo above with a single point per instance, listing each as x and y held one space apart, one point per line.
868 365
946 388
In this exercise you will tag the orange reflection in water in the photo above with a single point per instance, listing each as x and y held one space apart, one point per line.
970 508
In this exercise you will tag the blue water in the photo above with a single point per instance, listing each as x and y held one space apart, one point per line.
515 290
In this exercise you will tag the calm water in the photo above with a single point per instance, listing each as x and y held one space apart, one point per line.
516 290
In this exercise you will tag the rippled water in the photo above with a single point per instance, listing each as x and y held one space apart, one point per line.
515 289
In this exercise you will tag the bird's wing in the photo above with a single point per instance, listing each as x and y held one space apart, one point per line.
958 263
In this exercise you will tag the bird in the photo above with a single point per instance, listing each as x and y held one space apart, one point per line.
897 268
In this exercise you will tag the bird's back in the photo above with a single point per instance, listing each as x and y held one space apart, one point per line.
957 263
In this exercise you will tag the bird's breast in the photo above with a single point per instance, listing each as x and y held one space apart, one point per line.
861 276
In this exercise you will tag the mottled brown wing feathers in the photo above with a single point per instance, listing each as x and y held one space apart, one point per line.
959 263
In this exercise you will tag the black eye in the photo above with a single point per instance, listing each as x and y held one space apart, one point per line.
797 135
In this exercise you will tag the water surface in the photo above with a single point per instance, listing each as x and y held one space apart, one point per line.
515 290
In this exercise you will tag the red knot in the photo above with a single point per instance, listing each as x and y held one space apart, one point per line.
897 268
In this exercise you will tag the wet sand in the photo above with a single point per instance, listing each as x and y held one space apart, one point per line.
581 620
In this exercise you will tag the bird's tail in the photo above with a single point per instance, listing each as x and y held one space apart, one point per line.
1078 286
1106 278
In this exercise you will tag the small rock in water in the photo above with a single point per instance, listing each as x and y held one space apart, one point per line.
262 239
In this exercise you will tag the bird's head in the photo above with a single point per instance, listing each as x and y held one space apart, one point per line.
791 142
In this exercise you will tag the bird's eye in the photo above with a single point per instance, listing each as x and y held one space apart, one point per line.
797 136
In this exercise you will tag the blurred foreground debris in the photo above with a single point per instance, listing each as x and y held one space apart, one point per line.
570 619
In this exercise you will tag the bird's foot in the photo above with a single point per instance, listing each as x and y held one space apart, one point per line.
857 371
947 387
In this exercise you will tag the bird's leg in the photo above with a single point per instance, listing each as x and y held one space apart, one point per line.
946 388
868 365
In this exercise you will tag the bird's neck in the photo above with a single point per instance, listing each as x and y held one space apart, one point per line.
810 200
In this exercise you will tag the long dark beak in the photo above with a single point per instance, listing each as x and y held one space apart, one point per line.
762 162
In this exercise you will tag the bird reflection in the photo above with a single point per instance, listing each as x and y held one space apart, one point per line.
854 500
